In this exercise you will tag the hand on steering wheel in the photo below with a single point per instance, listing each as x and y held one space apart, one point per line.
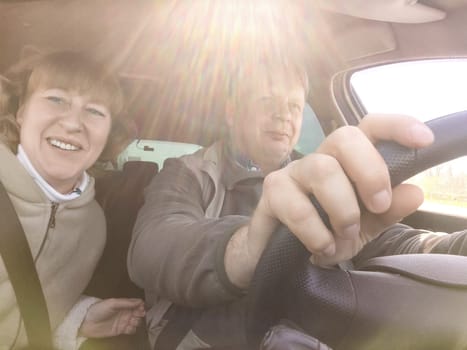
284 254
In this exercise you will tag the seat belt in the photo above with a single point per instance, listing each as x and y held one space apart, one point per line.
180 320
19 263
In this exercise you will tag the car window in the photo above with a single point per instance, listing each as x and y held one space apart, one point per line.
158 151
154 151
311 134
426 89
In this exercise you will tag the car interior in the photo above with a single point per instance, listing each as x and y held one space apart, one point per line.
172 58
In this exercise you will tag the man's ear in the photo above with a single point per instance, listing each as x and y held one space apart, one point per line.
229 112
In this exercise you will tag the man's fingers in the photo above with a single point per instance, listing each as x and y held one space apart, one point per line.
406 130
321 175
333 190
362 164
291 206
406 199
352 147
346 163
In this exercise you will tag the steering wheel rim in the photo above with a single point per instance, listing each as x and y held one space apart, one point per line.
285 255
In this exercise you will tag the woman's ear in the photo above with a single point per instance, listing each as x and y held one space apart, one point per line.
19 115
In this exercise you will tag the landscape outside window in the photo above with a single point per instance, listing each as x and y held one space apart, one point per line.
426 89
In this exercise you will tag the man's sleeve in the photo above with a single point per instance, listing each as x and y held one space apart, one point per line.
402 239
175 251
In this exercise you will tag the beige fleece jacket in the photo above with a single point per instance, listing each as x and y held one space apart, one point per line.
66 241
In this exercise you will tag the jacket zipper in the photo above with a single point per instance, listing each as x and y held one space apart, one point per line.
51 224
52 216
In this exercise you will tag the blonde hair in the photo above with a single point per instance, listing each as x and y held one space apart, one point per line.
66 70
244 74
8 127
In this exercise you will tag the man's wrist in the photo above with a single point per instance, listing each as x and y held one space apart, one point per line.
238 264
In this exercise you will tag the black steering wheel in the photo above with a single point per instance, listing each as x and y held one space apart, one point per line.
323 301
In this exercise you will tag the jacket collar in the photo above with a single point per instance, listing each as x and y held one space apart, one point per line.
19 183
222 168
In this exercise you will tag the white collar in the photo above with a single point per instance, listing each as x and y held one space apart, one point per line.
49 191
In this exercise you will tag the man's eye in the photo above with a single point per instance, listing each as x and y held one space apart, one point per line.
295 107
270 109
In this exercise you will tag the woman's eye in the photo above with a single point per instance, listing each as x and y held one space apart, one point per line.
96 112
57 100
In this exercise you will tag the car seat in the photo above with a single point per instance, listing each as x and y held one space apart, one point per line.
120 193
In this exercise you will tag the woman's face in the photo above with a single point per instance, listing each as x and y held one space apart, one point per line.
63 133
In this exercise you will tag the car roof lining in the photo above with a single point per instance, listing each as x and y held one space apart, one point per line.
134 36
385 10
134 23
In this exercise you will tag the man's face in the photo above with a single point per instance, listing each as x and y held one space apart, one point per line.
266 122
63 134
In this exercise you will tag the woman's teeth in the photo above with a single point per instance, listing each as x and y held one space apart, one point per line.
63 145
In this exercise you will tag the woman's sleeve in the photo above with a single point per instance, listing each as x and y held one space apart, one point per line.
66 335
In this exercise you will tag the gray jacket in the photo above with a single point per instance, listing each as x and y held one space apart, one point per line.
181 233
179 240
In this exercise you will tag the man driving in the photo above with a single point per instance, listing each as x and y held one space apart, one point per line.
208 216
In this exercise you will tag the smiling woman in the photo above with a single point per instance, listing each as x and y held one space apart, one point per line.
62 76
62 135
60 113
